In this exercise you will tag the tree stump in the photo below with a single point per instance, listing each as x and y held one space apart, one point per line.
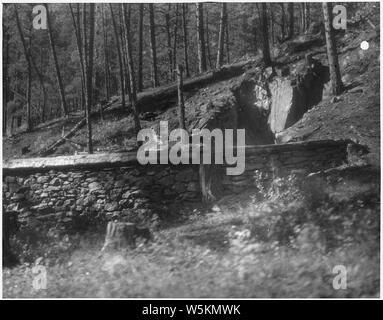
9 226
120 235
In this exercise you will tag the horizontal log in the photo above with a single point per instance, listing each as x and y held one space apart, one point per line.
105 160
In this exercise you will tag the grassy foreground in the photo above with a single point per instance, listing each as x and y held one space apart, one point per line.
284 243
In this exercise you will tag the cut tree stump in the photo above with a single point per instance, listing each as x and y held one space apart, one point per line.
120 235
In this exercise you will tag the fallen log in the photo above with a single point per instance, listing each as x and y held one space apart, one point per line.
52 148
158 98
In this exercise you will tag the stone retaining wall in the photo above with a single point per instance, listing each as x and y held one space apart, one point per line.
70 191
137 193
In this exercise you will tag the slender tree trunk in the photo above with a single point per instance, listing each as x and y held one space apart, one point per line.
169 42
153 45
335 77
29 88
6 38
290 9
200 38
123 52
28 59
77 28
140 40
57 67
272 23
265 37
307 15
133 93
119 55
106 58
282 20
89 74
227 42
43 106
175 41
208 40
181 105
221 37
185 31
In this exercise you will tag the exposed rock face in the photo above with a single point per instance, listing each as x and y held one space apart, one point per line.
273 102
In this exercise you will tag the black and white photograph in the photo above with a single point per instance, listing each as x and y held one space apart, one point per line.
192 150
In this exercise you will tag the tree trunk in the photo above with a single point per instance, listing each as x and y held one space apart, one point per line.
200 38
181 105
153 45
265 37
140 40
208 40
6 38
175 41
124 53
28 59
290 9
227 42
89 75
272 22
106 57
184 25
57 67
133 92
119 55
43 106
169 42
77 28
282 21
221 37
336 80
307 15
29 88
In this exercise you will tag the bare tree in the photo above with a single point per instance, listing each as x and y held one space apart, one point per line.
221 37
140 41
129 57
88 62
28 59
335 77
200 38
77 28
282 20
106 55
181 105
57 67
265 36
169 41
307 15
6 38
119 55
185 34
153 45
227 42
290 9
208 40
175 40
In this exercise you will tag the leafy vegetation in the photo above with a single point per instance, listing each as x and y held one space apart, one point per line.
285 245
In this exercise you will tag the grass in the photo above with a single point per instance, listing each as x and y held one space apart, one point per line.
278 245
